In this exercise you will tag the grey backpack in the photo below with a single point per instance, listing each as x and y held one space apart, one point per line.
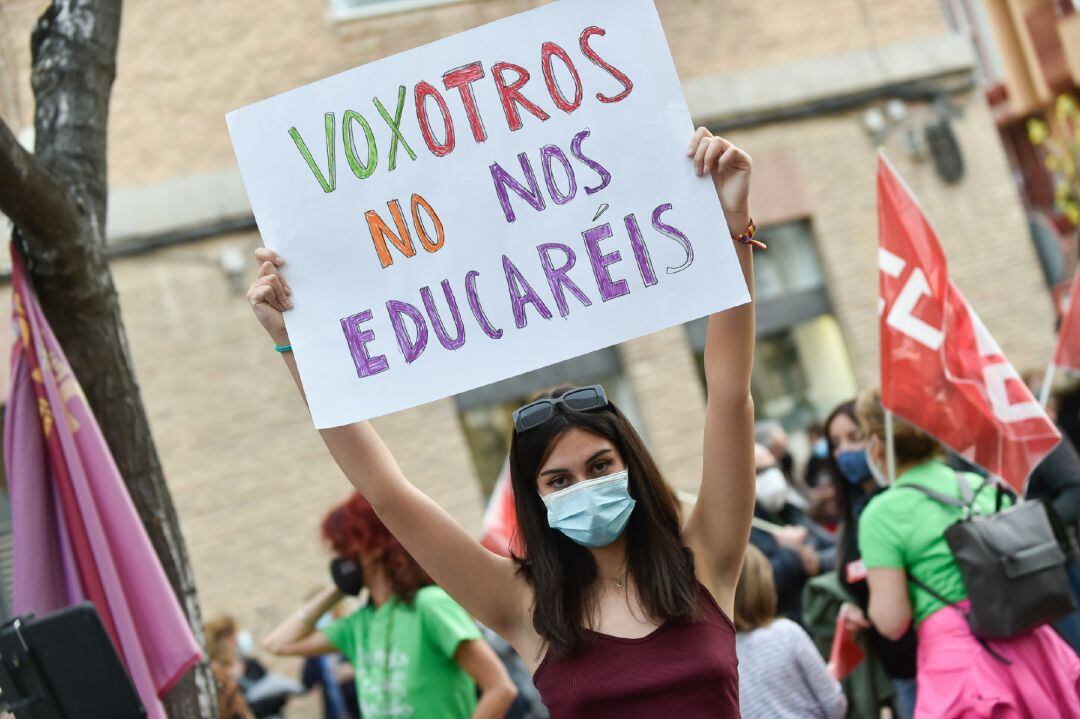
1012 563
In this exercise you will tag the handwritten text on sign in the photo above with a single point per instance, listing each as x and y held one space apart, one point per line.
498 201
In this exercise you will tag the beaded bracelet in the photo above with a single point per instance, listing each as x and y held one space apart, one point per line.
747 237
283 348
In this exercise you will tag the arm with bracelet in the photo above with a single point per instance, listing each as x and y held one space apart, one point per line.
576 457
296 636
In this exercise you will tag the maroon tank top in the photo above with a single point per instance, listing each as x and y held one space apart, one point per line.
681 669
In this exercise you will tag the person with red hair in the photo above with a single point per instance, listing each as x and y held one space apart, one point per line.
415 651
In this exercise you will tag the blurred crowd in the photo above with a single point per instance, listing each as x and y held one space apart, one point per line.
851 601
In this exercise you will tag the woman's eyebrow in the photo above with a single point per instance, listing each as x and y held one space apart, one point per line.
594 455
597 454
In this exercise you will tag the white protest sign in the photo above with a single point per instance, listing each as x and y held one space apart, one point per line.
494 202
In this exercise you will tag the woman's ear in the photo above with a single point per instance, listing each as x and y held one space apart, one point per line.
876 449
875 460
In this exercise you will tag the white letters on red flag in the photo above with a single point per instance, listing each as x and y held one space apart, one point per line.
1067 353
940 368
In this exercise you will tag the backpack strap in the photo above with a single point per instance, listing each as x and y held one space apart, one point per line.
966 500
965 488
967 616
936 495
926 588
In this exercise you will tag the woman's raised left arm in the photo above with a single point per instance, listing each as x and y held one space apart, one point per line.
719 525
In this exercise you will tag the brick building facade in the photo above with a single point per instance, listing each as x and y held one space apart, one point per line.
797 84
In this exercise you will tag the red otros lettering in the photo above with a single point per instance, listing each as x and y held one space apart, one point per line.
600 62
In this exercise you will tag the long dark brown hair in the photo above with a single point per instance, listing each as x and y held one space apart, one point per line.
562 572
843 487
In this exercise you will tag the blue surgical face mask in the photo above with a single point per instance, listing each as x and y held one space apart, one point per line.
592 513
853 465
821 448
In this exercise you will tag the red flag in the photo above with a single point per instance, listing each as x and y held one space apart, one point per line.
940 368
1067 352
845 654
500 521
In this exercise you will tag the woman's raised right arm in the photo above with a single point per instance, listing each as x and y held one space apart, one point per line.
483 583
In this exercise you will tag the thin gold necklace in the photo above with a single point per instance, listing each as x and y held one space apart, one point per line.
620 583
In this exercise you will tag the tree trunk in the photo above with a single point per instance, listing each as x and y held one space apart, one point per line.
57 198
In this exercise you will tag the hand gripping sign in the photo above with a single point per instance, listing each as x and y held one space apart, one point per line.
940 368
492 203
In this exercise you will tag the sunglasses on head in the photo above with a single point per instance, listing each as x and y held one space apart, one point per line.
579 399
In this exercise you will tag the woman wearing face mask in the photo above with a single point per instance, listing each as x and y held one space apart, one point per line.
415 652
619 608
796 547
1034 675
856 485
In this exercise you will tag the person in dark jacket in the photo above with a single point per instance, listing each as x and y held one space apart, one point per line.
334 677
856 485
1056 481
795 546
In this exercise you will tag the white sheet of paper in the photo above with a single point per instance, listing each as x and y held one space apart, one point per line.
637 138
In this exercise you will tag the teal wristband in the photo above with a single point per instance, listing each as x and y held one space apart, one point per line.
283 348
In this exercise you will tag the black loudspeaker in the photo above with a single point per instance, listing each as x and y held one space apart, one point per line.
64 666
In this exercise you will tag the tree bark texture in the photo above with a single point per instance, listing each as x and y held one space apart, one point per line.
57 199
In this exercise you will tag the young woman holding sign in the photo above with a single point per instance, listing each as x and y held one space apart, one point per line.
618 609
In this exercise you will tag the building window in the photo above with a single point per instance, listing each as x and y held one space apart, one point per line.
356 9
968 18
486 411
801 372
801 366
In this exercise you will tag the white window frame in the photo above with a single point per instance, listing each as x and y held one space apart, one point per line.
343 11
969 18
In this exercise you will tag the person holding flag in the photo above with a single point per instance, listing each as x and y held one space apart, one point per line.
611 577
949 381
911 570
856 485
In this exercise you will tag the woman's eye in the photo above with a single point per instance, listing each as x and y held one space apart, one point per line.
601 466
557 483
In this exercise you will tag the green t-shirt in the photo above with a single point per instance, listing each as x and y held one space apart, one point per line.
905 529
419 678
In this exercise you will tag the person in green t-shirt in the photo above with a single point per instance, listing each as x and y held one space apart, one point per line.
415 651
901 538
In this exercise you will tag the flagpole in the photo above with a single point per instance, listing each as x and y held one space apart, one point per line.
1047 382
890 451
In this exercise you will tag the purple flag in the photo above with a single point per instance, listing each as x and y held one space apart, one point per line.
76 533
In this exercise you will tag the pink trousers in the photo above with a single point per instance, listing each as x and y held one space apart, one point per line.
959 679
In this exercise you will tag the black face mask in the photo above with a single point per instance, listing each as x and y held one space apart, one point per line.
348 576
